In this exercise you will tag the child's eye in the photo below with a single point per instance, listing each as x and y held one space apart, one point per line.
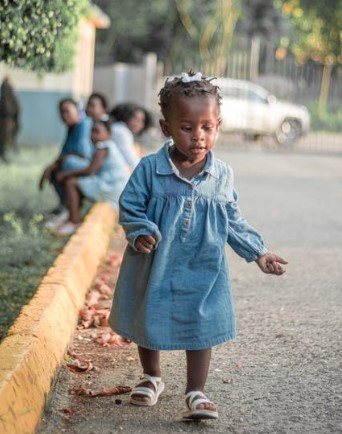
187 129
207 127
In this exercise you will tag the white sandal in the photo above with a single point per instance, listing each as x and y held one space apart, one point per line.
192 400
146 392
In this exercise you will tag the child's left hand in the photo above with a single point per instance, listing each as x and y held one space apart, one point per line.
270 263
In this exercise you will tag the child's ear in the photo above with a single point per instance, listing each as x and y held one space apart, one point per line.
164 127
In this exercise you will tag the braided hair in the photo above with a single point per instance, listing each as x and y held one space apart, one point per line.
178 87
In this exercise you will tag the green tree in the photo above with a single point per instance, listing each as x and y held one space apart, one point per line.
40 35
261 19
317 35
182 33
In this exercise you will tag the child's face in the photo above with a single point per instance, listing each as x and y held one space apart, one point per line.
99 133
193 124
69 114
95 108
137 122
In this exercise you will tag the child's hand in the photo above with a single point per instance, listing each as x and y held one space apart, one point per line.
270 263
145 243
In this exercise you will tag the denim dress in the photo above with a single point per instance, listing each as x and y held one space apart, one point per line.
179 296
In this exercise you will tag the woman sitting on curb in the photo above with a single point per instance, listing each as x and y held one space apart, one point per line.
102 180
76 153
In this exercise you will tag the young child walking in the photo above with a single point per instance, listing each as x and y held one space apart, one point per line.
178 210
102 180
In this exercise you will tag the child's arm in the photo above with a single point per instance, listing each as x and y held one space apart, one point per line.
94 166
142 233
242 237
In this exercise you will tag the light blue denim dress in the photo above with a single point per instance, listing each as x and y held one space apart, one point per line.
109 181
179 297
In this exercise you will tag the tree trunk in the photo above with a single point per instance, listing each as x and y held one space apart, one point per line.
325 85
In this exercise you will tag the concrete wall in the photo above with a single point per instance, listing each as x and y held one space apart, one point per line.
122 82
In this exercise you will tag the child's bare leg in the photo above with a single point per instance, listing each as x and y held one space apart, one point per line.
198 362
150 362
73 199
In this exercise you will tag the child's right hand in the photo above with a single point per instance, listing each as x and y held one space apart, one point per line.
145 243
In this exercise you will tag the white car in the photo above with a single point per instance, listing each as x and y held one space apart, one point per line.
249 108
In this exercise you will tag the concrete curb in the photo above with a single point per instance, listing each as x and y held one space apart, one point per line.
36 344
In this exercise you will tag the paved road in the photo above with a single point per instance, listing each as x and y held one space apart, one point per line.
283 372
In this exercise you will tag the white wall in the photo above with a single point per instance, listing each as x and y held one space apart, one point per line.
123 82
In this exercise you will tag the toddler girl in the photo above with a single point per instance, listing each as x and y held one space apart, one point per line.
102 180
178 210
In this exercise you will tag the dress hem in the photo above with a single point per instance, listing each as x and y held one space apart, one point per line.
170 347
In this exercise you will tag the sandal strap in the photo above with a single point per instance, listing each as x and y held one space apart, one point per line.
149 379
194 398
144 391
153 380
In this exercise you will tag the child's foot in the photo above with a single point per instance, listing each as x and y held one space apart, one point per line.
146 393
57 220
66 229
199 406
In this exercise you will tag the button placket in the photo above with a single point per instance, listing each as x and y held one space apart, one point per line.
188 205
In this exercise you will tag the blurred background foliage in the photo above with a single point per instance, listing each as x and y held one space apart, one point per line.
40 35
309 28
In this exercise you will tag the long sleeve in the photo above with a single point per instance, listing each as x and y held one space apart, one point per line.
134 203
242 237
124 140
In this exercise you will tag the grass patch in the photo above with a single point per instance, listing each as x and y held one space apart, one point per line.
27 250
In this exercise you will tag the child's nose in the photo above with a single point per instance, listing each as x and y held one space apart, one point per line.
198 135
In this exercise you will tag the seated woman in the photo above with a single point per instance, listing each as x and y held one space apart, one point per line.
102 180
130 120
76 152
97 105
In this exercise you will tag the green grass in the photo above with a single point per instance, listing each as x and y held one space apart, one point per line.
26 249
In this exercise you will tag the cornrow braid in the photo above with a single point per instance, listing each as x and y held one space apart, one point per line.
178 87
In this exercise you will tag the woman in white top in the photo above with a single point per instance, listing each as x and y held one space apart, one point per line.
130 120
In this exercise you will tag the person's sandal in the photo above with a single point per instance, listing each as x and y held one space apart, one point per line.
146 392
192 400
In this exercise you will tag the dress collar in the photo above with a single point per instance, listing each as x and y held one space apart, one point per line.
164 165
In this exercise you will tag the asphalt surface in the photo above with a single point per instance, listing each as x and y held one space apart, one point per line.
283 372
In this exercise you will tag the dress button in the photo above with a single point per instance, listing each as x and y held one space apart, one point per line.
189 204
186 223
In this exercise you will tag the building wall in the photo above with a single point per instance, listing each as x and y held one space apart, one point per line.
123 82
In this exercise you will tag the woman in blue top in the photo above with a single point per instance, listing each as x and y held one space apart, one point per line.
178 210
102 180
76 153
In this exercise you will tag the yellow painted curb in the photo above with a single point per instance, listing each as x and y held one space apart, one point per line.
36 343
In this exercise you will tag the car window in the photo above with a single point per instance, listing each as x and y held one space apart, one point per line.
241 93
256 97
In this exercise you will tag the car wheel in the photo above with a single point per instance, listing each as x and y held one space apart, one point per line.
288 132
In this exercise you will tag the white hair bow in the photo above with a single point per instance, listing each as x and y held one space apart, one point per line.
186 78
